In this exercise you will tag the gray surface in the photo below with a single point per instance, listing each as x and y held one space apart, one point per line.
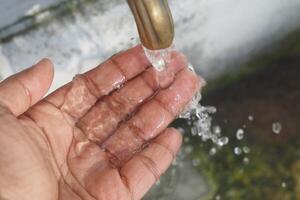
13 10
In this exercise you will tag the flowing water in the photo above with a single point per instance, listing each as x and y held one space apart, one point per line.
159 58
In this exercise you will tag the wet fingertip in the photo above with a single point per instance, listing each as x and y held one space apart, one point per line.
172 134
173 130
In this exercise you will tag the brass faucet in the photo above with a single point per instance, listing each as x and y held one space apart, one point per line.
154 22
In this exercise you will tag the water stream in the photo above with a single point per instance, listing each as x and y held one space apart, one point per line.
159 58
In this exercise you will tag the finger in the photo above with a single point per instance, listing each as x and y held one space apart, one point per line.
24 89
102 120
146 167
85 89
152 118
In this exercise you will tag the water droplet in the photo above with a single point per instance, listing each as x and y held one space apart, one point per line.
191 67
194 131
181 130
206 136
212 151
240 134
237 151
157 183
217 130
276 127
214 139
223 141
118 86
200 133
175 162
210 109
283 184
250 118
186 139
246 161
196 162
188 149
246 149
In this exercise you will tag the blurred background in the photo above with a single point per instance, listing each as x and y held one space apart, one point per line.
249 51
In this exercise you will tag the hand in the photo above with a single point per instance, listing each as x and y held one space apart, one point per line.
89 140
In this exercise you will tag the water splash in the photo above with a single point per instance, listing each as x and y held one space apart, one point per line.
276 127
246 160
212 151
223 141
240 134
200 120
246 149
198 116
237 151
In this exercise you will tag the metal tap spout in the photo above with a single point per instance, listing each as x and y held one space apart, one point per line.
154 22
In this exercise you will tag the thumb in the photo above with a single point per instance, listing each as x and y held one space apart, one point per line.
20 91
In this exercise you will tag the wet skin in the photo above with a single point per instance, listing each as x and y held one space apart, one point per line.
103 136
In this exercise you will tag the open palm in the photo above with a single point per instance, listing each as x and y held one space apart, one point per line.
103 136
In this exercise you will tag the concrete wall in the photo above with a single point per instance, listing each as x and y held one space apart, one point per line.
215 34
13 10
